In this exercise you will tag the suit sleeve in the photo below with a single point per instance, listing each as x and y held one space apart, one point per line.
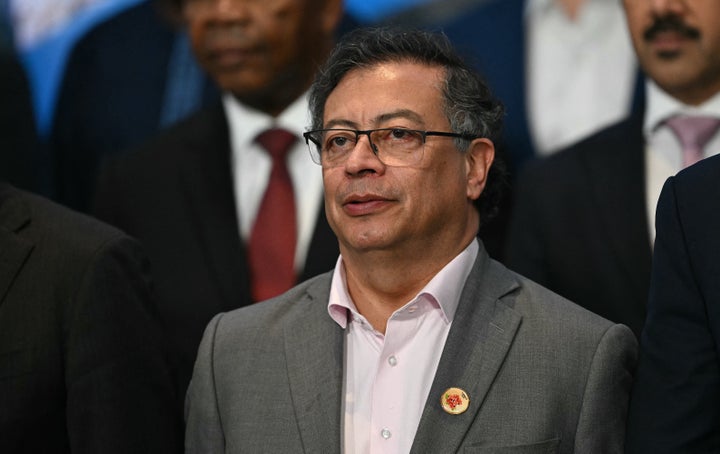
204 433
120 396
601 425
675 405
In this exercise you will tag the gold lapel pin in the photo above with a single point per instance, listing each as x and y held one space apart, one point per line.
454 401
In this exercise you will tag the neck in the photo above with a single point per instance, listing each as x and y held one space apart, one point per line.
272 106
696 97
381 282
571 7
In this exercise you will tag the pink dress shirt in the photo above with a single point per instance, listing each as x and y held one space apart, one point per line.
388 377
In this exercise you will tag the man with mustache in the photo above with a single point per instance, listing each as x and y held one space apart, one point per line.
582 223
418 341
194 195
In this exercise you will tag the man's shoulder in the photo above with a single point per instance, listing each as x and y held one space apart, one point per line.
544 311
307 300
203 133
619 146
58 233
700 177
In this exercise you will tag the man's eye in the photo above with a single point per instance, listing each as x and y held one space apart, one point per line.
339 142
400 134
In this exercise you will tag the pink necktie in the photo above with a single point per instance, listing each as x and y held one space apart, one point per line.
693 133
271 251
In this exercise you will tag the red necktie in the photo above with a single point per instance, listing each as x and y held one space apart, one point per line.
693 133
272 242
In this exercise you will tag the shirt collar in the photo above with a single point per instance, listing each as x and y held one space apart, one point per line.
246 123
661 106
444 288
533 7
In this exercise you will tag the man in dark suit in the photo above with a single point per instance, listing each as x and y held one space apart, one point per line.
418 341
81 367
126 79
581 222
675 404
192 194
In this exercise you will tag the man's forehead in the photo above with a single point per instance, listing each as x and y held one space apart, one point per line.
410 72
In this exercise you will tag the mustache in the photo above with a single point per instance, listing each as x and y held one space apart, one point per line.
358 188
671 24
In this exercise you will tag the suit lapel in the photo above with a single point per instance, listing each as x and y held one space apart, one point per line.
206 183
14 249
616 176
483 331
314 347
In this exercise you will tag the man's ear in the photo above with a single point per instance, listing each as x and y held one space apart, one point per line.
479 157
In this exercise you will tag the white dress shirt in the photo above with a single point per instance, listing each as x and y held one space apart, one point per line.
663 153
251 167
388 377
580 73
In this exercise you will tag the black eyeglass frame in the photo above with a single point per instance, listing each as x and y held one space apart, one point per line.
308 135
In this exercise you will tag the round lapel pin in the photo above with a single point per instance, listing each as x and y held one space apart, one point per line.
454 401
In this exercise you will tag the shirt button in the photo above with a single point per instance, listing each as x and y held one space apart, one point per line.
392 361
385 433
412 309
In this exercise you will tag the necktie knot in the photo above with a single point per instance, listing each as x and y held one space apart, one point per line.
693 132
276 142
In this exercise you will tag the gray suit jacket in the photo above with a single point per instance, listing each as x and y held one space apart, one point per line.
543 375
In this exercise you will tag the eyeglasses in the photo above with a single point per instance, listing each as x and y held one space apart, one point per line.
392 146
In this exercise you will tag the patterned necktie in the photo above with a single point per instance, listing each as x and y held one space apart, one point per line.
272 242
693 133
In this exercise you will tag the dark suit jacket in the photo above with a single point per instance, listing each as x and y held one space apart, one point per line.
175 194
580 228
81 369
111 98
542 374
675 404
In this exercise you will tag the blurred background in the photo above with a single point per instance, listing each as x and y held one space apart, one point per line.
43 33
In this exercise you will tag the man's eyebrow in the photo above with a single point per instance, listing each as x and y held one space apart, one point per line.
340 123
401 113
380 119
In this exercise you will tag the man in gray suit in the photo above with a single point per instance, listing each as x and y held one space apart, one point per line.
418 341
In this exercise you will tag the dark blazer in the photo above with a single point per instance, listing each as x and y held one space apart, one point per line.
81 369
111 98
579 224
542 374
675 403
175 194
